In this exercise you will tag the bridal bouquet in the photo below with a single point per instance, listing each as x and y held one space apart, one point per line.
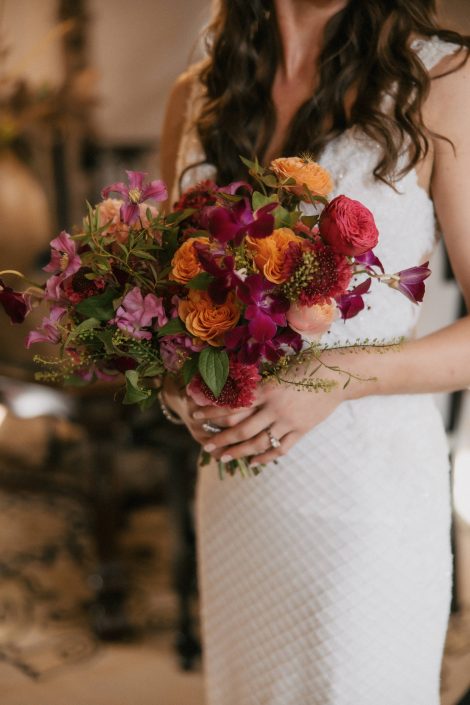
236 285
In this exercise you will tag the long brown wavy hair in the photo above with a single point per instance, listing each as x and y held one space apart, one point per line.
366 52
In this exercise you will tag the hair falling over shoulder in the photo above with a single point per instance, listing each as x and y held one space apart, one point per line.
366 53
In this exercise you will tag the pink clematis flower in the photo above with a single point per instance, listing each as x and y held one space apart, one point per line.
64 258
49 331
136 193
137 312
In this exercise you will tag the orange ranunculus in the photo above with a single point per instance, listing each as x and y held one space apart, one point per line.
303 171
185 263
206 320
270 252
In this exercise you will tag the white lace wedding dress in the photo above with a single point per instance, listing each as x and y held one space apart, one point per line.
326 580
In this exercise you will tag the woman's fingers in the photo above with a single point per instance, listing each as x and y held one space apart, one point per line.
256 445
247 429
206 413
271 454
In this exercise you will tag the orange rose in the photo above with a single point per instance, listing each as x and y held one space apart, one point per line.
270 252
185 263
206 320
303 171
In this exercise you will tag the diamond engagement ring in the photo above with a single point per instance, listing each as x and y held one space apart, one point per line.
275 442
210 427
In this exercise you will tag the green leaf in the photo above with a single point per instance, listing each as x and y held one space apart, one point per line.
99 307
134 393
201 281
310 220
151 369
259 199
89 324
213 365
190 368
106 337
175 325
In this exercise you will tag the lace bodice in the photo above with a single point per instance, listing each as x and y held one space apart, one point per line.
405 216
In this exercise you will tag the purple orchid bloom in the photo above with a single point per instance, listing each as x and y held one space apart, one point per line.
136 312
411 282
251 351
226 224
15 304
49 331
263 310
369 259
225 278
351 303
64 258
135 193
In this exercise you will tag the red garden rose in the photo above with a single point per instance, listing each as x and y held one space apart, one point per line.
348 226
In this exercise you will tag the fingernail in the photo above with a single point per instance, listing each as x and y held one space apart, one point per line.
198 415
226 458
254 465
209 447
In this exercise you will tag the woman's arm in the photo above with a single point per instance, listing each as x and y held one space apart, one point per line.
439 362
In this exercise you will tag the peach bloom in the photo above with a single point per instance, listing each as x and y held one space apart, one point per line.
185 263
109 212
208 321
269 253
312 321
303 171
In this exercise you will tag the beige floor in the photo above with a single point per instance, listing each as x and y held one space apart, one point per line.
144 674
148 674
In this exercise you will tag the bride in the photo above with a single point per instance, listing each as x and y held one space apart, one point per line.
326 579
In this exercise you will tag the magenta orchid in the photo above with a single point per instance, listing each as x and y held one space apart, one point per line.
263 311
64 258
225 278
250 351
135 193
369 259
410 282
136 312
351 303
15 304
49 331
232 224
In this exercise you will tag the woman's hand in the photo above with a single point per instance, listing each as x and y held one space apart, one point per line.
285 411
186 408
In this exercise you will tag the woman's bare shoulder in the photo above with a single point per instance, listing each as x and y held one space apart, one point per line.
448 103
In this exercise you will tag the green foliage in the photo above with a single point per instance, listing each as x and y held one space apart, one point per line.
190 368
135 394
173 327
201 281
100 306
259 199
214 366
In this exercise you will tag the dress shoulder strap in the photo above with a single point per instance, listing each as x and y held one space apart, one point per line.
432 49
189 148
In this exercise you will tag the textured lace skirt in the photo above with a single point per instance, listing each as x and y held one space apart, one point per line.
326 580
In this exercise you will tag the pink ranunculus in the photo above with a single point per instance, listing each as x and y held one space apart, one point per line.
312 321
137 312
348 227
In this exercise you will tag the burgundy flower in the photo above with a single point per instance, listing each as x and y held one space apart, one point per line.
15 304
351 303
239 389
198 197
411 282
315 273
135 193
